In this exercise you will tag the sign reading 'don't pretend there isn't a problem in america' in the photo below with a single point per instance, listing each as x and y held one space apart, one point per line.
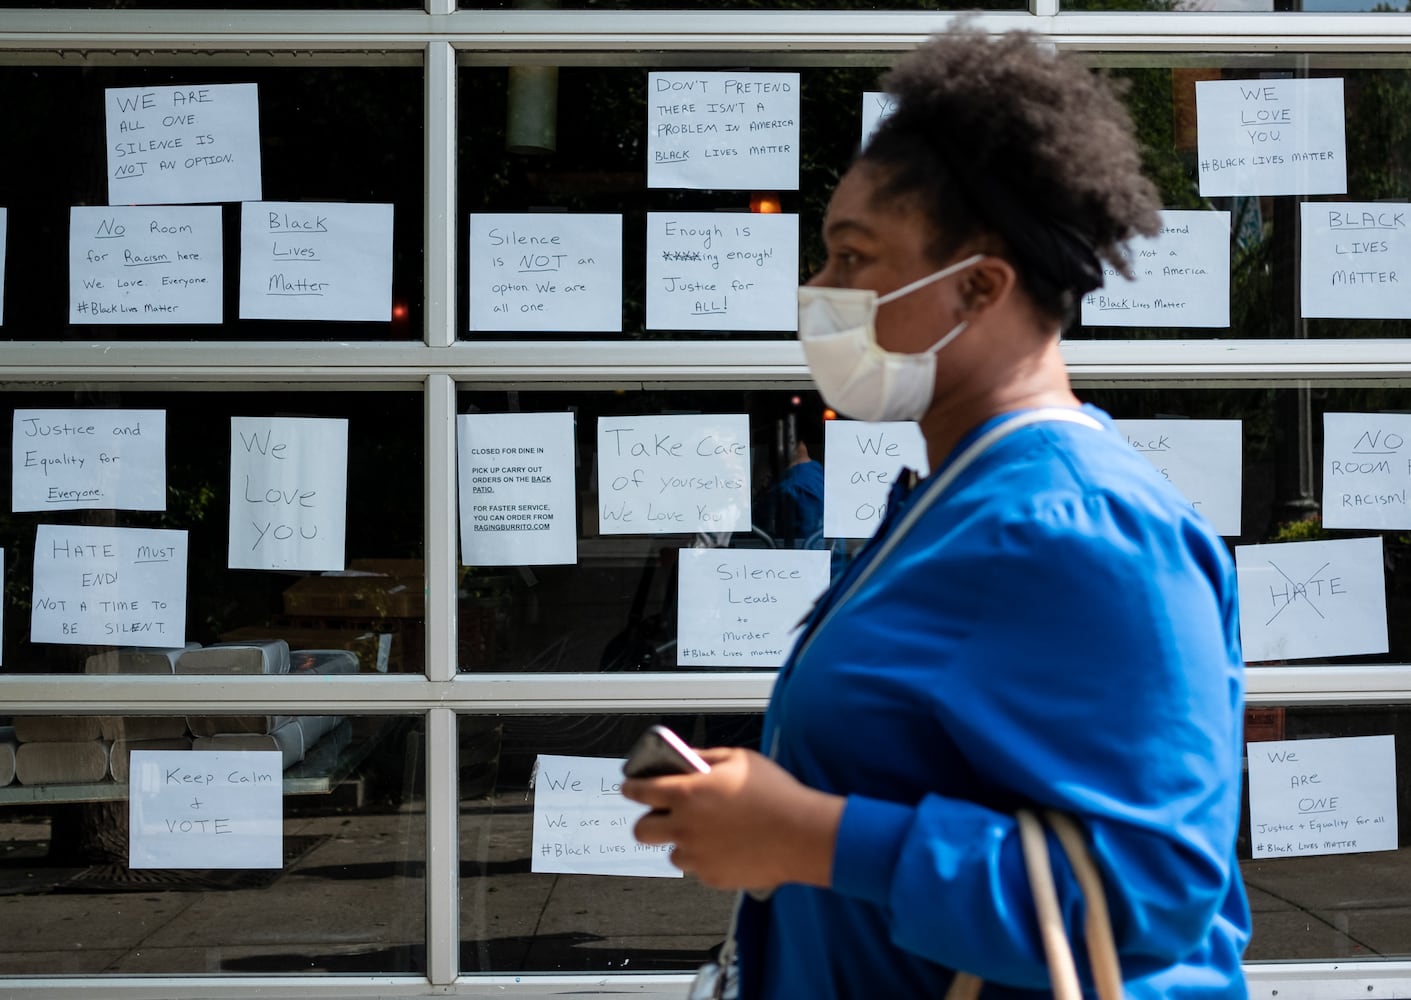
316 261
546 272
145 265
723 131
1182 277
182 145
89 460
109 586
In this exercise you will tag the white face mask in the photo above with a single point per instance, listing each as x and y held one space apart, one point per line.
838 331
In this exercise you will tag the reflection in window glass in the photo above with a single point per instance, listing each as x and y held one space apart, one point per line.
377 613
751 4
1326 899
349 897
326 135
515 917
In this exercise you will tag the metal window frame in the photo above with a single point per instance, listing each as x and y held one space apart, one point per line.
441 38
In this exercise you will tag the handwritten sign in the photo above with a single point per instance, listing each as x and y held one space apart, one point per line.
179 145
739 607
288 492
1182 277
722 271
1326 796
1366 470
863 461
4 228
517 496
315 261
1302 599
1281 136
876 106
663 474
1203 459
723 131
546 272
109 586
583 825
82 459
144 265
205 809
1356 260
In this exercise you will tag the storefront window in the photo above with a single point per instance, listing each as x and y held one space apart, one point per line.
336 153
371 603
338 886
551 878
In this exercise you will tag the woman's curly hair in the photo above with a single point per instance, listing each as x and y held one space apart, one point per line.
1005 138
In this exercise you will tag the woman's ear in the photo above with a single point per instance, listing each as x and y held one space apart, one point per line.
990 281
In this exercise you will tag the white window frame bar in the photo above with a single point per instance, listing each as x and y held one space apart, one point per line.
443 36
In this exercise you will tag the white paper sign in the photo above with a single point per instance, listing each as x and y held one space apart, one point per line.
109 586
2 608
144 265
723 131
179 145
1366 470
1281 136
288 492
739 607
517 497
1182 277
876 105
675 473
1356 260
1302 599
4 228
1327 796
1203 459
863 461
546 272
82 459
205 809
722 271
315 261
583 825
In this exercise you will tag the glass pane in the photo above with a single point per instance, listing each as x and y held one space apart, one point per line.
616 607
618 601
750 4
327 135
592 158
348 897
374 610
1265 251
1330 897
517 917
1282 6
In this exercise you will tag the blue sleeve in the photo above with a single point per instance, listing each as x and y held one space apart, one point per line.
1101 677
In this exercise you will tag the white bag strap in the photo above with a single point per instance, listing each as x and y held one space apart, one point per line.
1058 953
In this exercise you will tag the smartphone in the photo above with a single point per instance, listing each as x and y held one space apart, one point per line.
659 751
